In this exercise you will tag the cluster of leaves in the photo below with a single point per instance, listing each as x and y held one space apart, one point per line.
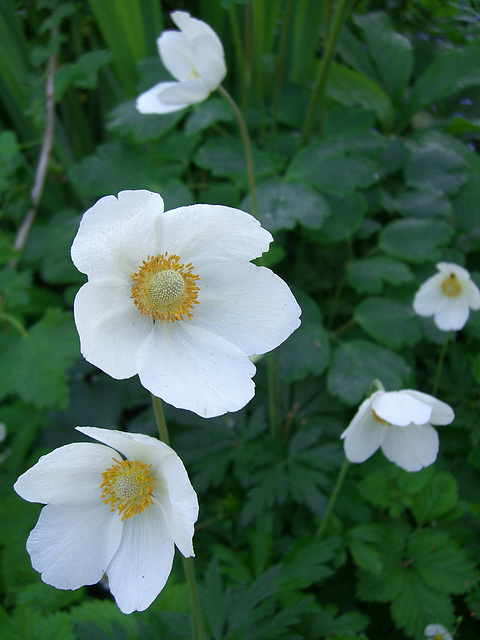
360 214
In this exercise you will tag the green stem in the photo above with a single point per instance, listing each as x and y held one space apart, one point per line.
333 498
246 143
188 567
319 91
441 358
14 322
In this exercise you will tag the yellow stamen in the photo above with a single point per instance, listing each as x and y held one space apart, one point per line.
438 636
451 286
128 486
381 420
164 289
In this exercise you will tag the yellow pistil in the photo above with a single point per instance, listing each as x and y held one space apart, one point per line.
438 636
164 289
451 286
128 486
381 420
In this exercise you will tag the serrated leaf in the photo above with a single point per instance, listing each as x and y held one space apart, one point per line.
365 557
328 622
307 350
283 205
434 168
126 120
28 623
225 156
415 240
390 322
34 366
207 113
438 497
357 363
368 275
308 561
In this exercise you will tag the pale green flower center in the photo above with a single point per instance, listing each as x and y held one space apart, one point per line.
164 289
451 288
127 486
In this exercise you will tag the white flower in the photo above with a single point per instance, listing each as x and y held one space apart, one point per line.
448 296
194 56
173 297
116 509
437 632
400 422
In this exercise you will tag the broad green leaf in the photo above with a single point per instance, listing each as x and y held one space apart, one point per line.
225 156
283 205
415 240
350 87
357 363
207 113
307 561
391 52
422 204
34 366
345 120
82 73
337 627
307 350
368 275
434 168
392 323
447 75
28 623
365 556
347 215
128 122
438 497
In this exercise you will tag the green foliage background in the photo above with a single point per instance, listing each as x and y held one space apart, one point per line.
385 184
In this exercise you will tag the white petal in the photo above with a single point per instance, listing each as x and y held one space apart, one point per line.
209 61
453 314
134 446
472 294
193 369
442 413
142 564
70 475
249 306
150 102
110 327
363 436
204 233
402 409
429 297
451 267
193 27
115 235
72 545
176 53
184 93
411 448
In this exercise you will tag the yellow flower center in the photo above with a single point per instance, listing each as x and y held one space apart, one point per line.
377 418
128 487
451 286
438 636
164 289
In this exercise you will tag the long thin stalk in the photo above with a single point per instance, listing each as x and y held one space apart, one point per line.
247 145
333 498
42 165
319 91
188 567
438 369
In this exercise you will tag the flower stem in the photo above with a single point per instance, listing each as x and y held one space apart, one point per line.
333 498
319 91
441 358
188 567
247 145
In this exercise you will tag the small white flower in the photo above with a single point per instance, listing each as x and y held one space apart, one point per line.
116 509
400 423
173 297
437 632
448 296
194 56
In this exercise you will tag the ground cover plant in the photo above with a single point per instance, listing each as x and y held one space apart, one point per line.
339 497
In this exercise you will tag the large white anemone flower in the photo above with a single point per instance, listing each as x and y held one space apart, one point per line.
448 296
400 423
437 632
194 56
116 509
173 297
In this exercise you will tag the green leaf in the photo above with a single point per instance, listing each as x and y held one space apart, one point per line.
10 158
307 350
422 204
347 215
391 52
207 113
34 367
415 240
225 156
283 205
447 75
392 323
28 623
357 363
83 73
434 168
127 121
307 561
365 556
350 87
368 275
438 497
